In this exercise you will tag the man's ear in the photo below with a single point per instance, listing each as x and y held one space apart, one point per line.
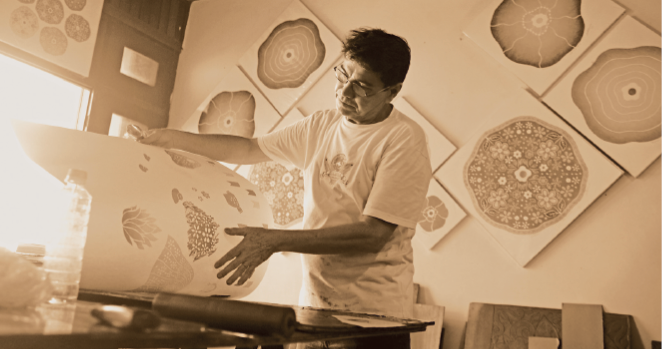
394 90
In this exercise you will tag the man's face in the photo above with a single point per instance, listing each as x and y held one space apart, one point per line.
358 109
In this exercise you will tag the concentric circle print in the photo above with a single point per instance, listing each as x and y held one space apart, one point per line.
619 95
230 113
525 175
538 33
293 50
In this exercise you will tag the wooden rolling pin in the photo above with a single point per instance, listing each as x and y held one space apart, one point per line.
236 316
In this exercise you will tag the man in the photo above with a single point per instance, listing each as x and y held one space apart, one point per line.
366 173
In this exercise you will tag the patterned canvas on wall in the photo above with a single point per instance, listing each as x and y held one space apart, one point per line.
526 175
537 40
440 215
282 186
612 95
63 32
290 56
158 216
440 147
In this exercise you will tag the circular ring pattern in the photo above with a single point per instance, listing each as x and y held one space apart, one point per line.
230 113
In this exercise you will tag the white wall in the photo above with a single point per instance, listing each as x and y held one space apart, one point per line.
610 255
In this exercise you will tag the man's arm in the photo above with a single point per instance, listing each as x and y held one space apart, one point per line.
226 148
367 236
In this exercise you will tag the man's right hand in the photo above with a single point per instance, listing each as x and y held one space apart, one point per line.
160 137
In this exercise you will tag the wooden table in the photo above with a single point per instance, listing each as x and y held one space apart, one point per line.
36 329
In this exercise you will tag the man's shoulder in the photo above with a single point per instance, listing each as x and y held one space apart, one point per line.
407 127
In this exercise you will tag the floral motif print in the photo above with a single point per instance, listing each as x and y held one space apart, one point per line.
434 215
139 227
283 190
525 175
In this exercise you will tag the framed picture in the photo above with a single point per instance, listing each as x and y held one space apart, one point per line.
612 95
526 175
290 56
538 40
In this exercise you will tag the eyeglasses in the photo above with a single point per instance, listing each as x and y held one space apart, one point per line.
358 89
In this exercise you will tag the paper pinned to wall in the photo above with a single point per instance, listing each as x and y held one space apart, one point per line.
158 216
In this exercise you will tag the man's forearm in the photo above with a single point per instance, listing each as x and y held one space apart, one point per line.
226 148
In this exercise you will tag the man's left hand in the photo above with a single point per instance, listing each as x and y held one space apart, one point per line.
256 247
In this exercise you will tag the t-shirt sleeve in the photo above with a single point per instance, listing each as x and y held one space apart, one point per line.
287 146
401 183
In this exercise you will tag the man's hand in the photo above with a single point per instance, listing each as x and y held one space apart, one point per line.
256 247
160 137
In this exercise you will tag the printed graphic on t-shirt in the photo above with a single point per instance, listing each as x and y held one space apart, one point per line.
337 169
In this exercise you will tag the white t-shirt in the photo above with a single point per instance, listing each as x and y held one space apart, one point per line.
380 170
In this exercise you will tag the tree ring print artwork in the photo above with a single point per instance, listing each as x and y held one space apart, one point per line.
230 113
53 41
171 271
202 235
77 28
50 11
283 190
538 33
619 95
525 175
75 5
434 214
23 22
293 50
139 227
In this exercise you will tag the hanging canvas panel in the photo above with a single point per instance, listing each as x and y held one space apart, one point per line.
158 215
612 95
282 186
440 216
63 32
440 147
291 56
537 40
526 175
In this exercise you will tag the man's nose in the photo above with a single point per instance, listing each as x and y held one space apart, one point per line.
346 89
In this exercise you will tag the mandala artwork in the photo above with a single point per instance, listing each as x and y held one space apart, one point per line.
171 271
77 28
537 32
230 113
53 41
50 11
434 215
75 5
283 190
619 95
525 175
293 50
24 22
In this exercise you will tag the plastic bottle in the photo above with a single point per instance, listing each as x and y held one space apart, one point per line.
64 256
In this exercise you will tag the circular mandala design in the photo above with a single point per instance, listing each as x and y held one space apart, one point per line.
283 190
77 28
230 113
50 11
538 33
293 50
619 95
24 22
525 175
434 214
75 5
53 41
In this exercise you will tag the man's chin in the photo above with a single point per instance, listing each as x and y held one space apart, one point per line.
344 109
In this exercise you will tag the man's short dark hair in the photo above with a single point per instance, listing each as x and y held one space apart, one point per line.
386 54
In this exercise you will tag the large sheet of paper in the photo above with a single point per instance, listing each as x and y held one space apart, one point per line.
60 31
158 216
526 175
537 40
612 95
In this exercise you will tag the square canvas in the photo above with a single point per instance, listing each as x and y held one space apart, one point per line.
612 95
282 186
61 32
440 216
290 56
526 175
440 147
537 40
